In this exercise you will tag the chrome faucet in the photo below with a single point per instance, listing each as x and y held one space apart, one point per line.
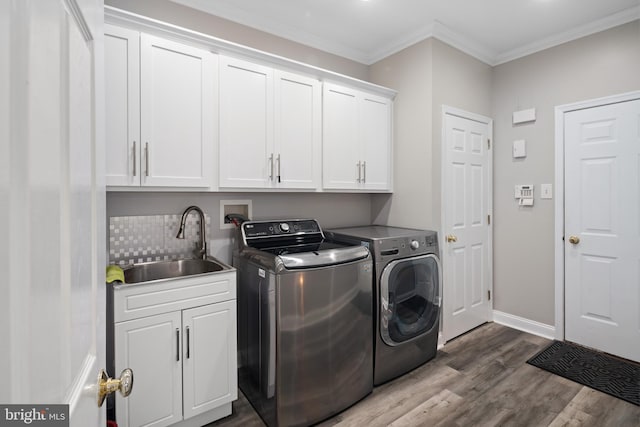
200 252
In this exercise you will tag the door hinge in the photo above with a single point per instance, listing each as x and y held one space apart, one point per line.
489 219
489 143
489 295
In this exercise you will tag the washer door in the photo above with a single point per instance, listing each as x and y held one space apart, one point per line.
409 298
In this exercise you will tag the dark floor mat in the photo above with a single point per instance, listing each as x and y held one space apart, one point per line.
599 371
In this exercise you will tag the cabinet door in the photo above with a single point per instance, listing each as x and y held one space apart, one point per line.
246 124
297 131
122 113
151 348
341 157
375 139
177 114
209 357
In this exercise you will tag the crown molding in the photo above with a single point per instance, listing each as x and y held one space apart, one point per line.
435 29
606 23
217 45
463 43
481 52
276 28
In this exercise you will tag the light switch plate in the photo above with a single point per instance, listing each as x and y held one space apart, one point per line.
546 191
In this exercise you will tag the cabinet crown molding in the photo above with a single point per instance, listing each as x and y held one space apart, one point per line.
134 21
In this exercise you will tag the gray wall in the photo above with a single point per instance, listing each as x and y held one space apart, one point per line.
602 64
408 72
192 19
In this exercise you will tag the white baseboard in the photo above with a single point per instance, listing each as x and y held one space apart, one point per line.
525 325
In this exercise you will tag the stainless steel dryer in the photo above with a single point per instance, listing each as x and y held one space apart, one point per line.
304 321
407 289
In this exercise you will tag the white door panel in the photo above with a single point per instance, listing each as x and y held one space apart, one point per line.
466 206
602 207
54 238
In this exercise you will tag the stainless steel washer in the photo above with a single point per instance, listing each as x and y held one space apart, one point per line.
407 289
304 321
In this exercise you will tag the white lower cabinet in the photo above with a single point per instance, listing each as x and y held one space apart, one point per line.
183 361
209 360
151 347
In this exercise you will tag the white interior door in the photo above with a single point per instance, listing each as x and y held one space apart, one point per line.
602 228
52 226
466 237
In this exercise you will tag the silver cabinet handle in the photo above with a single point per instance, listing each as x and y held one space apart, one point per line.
188 349
146 158
278 160
359 172
135 171
177 345
364 171
271 167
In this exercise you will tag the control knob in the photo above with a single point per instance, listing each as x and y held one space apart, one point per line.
284 227
414 244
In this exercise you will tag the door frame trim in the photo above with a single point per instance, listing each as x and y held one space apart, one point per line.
446 109
560 112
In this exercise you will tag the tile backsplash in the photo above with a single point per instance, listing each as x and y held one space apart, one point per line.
135 239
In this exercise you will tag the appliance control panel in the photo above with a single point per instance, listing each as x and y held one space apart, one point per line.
407 246
262 229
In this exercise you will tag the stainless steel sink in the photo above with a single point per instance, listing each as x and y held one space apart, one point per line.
162 270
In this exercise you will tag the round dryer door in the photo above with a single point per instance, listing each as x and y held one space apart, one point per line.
409 298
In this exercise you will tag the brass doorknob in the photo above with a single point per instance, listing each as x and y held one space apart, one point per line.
108 385
574 240
451 238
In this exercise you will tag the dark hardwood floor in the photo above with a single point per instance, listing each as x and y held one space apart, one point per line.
478 379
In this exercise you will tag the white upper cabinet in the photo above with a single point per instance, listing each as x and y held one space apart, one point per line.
356 140
375 140
341 148
269 127
160 111
122 89
297 142
177 99
246 123
183 117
